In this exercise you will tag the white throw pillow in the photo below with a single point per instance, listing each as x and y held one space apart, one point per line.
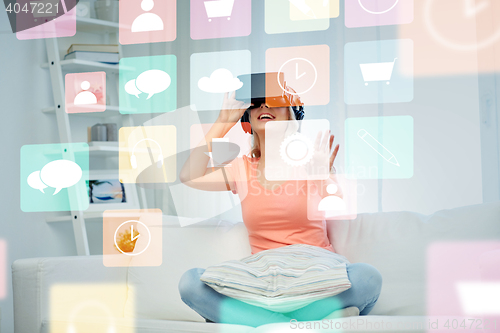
153 292
283 279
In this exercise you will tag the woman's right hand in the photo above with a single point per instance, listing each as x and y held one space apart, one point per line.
194 172
232 110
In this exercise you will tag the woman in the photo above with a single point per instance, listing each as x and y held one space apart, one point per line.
273 218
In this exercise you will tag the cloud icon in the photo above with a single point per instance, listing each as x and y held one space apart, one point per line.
58 174
220 81
151 82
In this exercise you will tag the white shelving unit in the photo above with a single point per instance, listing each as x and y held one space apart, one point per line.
66 218
57 69
111 111
96 26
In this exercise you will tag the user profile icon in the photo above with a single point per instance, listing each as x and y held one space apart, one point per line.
336 201
85 92
147 21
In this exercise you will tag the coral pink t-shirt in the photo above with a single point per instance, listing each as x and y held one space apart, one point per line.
276 217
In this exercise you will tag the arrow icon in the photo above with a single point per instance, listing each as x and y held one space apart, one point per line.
132 238
471 8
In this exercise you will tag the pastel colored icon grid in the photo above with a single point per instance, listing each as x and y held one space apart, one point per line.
306 69
313 9
53 177
132 238
220 18
59 19
147 154
285 16
369 13
334 199
85 92
463 280
147 21
148 84
379 147
378 72
293 150
215 73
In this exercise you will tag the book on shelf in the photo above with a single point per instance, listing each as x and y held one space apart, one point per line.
111 48
105 57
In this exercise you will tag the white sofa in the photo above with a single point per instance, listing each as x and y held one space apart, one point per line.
145 299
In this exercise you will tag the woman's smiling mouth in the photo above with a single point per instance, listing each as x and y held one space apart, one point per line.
266 117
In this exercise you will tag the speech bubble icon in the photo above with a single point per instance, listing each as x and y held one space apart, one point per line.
132 89
61 174
35 182
153 81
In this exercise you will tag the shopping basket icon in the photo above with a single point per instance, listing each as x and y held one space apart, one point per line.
378 71
219 8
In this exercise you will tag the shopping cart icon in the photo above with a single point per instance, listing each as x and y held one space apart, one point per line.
219 8
378 71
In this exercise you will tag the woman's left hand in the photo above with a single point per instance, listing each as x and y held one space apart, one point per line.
333 156
322 147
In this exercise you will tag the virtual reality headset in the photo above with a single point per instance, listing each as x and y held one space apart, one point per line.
267 87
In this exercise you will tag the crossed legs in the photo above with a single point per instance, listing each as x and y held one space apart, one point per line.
366 283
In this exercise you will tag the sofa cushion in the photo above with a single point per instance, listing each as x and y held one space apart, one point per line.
154 291
396 244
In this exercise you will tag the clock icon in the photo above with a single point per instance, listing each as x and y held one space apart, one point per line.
377 12
134 235
301 75
462 15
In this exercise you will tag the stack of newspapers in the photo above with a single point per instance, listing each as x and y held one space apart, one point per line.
105 53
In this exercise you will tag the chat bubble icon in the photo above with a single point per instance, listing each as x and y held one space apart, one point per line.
132 89
35 182
61 174
153 82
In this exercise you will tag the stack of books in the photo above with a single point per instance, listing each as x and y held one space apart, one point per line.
105 53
